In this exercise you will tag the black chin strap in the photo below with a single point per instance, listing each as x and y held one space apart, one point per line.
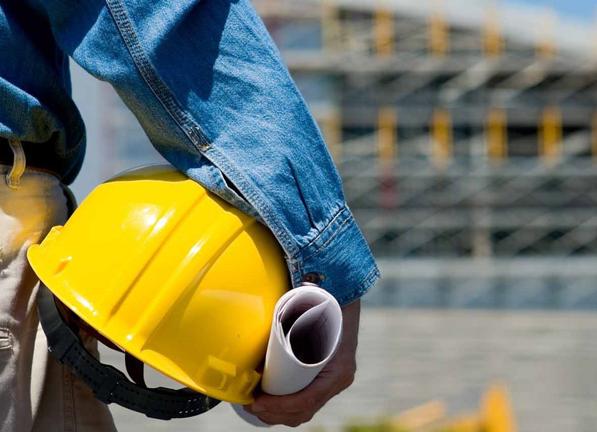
134 367
108 383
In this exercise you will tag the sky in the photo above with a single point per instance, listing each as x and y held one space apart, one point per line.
585 10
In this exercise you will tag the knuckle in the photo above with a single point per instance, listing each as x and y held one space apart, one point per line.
350 377
347 376
293 423
352 368
300 420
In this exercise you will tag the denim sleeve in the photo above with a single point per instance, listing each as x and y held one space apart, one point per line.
207 85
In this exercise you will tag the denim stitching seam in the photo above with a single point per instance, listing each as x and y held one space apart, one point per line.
194 132
296 270
337 230
362 287
341 217
254 197
129 35
242 203
182 119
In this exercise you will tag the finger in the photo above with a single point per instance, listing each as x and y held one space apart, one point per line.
311 398
293 420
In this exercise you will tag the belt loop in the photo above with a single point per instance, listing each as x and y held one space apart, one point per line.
13 178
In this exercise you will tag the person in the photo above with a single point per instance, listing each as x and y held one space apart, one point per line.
207 85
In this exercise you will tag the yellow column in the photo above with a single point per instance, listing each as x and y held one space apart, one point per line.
497 135
546 46
493 43
550 134
439 39
330 26
384 33
387 122
441 130
331 126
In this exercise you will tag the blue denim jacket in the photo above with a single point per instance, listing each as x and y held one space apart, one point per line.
206 82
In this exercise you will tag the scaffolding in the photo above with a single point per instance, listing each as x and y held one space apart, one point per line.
455 139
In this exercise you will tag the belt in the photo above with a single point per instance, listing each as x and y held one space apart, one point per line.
34 159
7 158
6 154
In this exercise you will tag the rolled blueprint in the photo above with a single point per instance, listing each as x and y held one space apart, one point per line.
305 334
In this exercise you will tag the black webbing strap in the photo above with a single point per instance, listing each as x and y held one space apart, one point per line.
108 383
134 367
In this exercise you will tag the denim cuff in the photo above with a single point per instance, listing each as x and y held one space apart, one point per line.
338 260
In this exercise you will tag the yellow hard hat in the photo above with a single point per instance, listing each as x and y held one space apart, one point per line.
171 274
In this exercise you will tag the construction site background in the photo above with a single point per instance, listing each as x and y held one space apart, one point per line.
466 135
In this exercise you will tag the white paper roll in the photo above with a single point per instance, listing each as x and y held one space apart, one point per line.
306 331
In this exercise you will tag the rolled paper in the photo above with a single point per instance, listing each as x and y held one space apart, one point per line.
305 334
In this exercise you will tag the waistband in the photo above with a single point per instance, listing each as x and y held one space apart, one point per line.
39 175
32 160
36 181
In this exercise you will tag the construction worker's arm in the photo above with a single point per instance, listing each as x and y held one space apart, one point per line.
206 83
300 407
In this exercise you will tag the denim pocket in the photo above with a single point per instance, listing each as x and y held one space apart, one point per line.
5 340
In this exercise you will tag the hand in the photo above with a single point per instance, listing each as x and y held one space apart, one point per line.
295 409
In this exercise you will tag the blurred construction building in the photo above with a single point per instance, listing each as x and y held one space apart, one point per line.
466 134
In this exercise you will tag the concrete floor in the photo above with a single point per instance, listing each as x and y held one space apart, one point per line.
407 357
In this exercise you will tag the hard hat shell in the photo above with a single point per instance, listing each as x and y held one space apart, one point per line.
173 275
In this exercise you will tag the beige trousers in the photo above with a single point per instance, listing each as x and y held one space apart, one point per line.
36 392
